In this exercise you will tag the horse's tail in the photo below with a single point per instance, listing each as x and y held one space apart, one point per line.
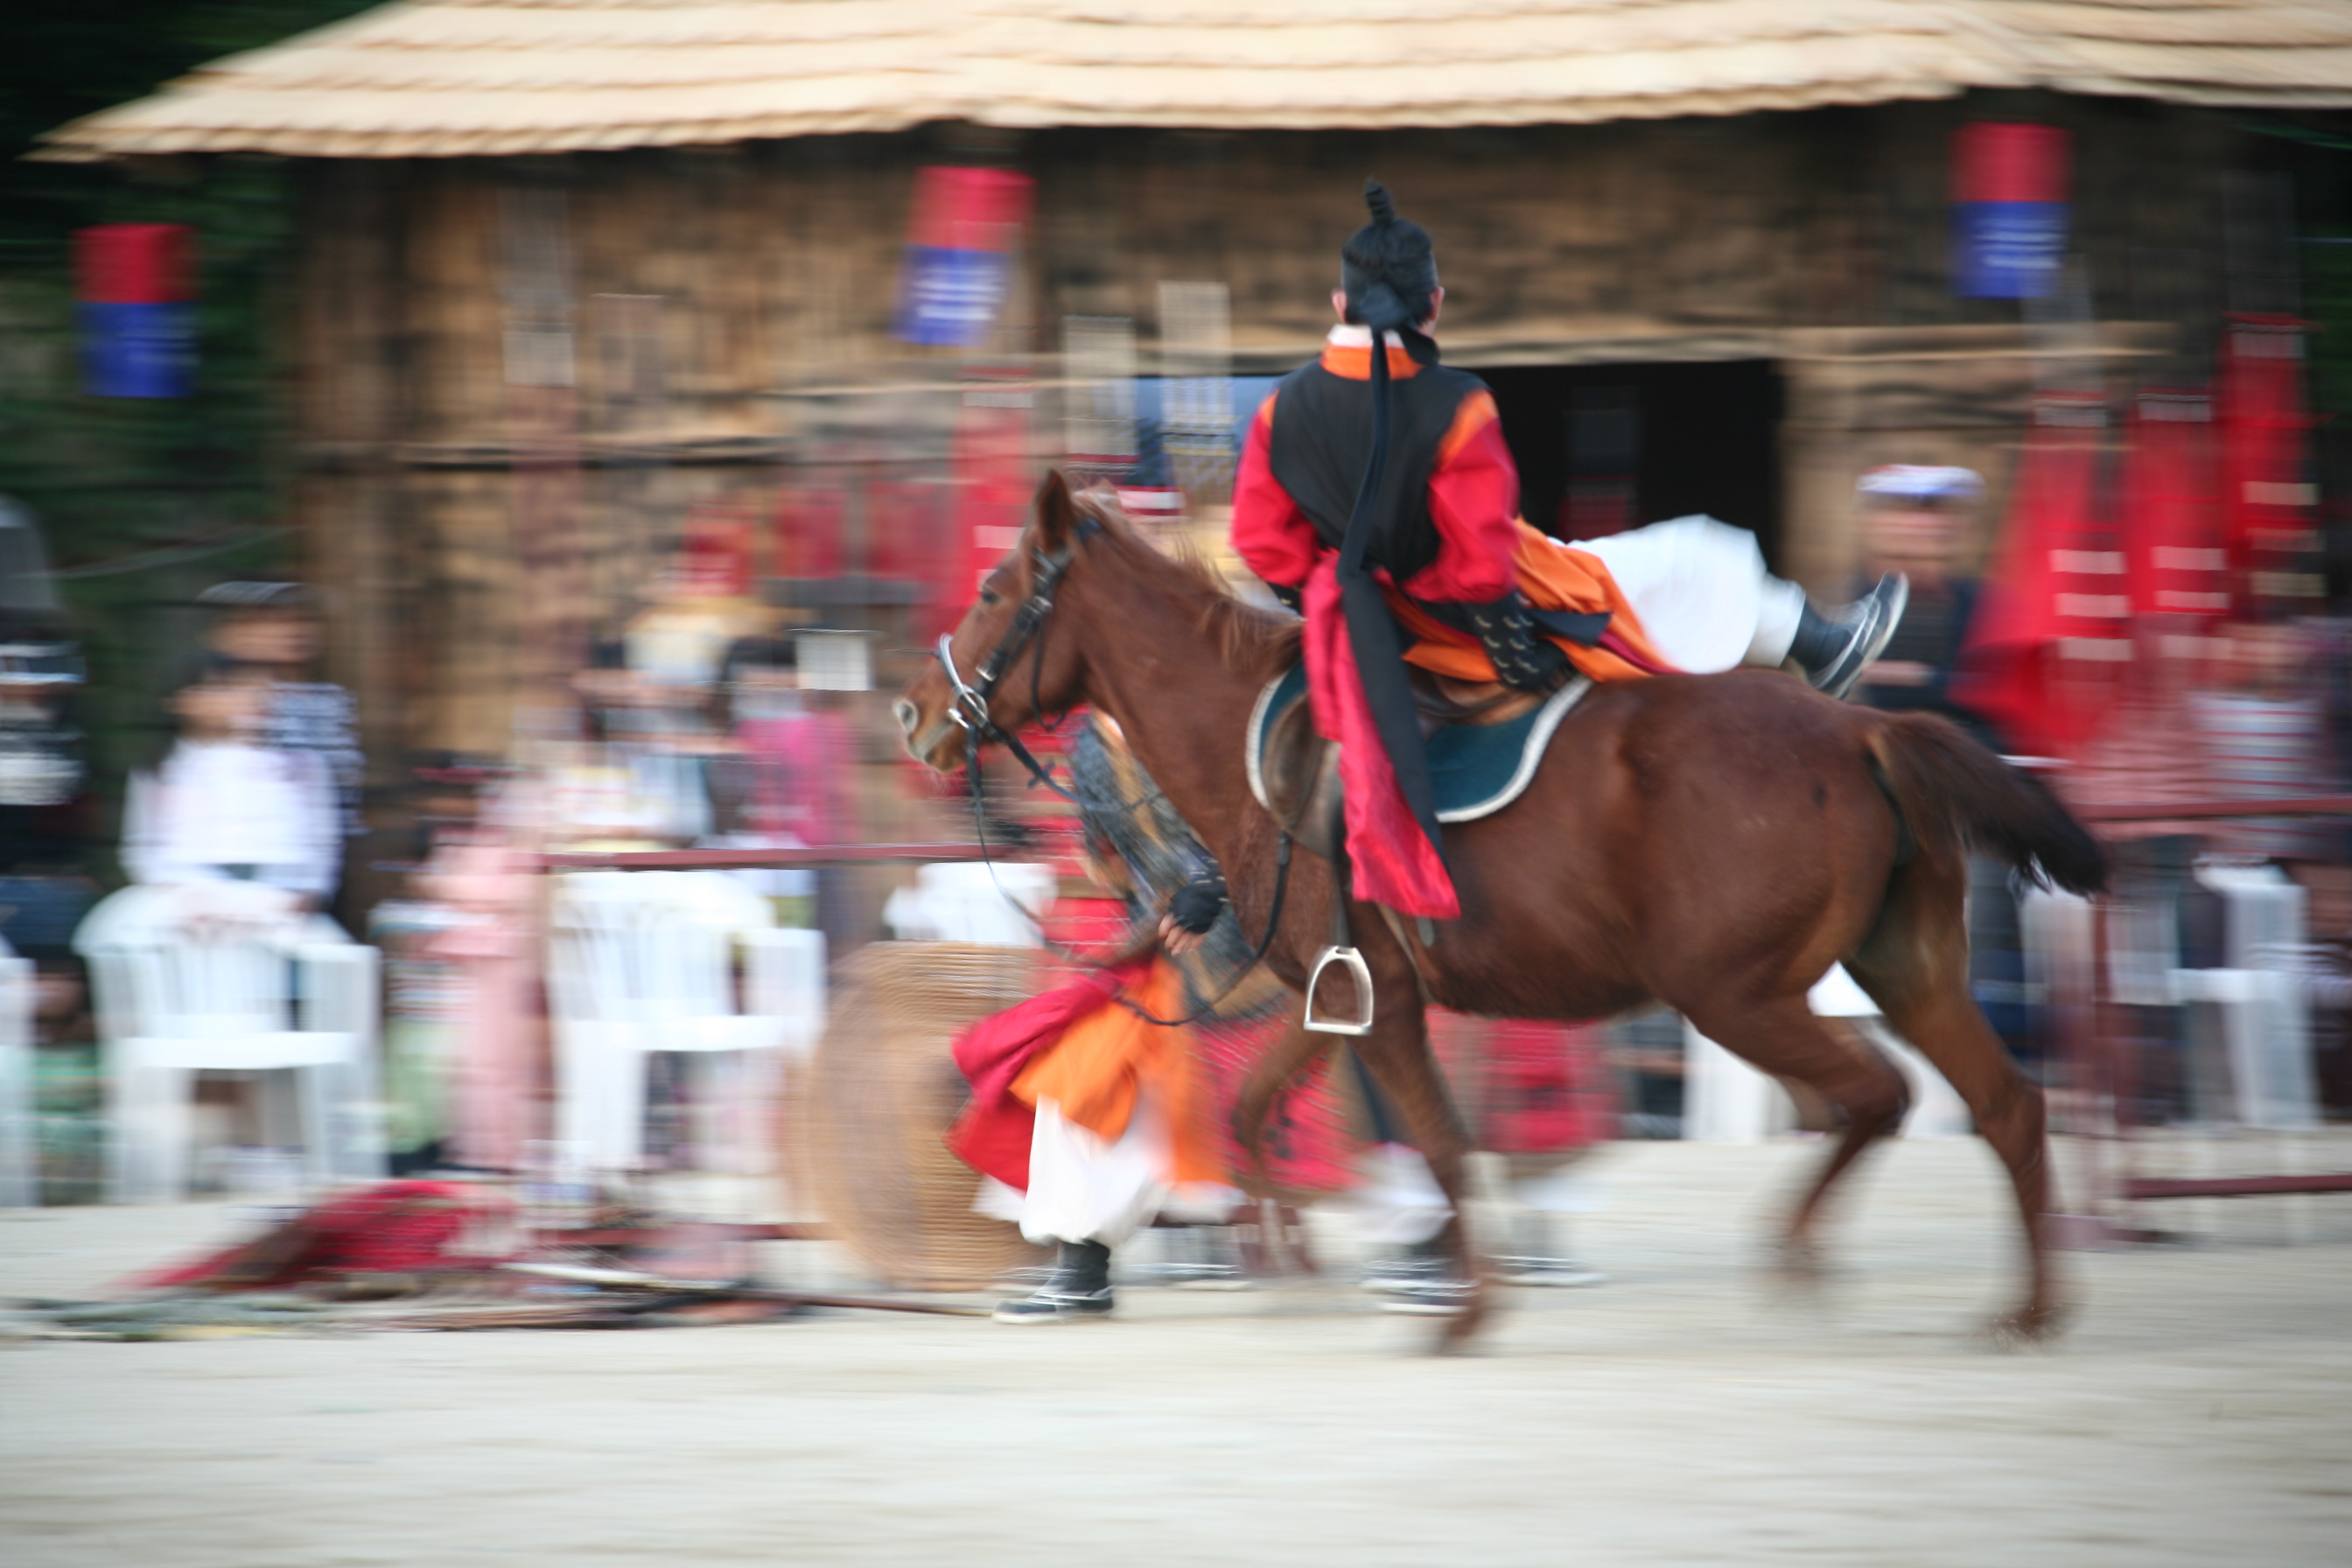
1945 786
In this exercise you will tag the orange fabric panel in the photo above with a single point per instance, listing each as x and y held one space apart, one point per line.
1109 1054
1551 578
1478 412
1356 363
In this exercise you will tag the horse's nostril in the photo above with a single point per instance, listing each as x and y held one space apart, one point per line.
909 717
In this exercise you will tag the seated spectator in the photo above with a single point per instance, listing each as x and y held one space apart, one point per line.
273 629
225 805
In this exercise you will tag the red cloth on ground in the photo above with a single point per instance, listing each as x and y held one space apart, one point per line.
392 1227
993 1133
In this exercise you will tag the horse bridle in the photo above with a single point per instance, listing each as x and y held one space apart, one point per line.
969 712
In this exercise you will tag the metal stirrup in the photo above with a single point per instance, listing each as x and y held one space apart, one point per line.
1340 950
1353 963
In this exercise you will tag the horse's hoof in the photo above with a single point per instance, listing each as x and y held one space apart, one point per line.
2025 1328
1800 1264
1455 1334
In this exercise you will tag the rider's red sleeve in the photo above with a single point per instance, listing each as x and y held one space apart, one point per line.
1270 532
1473 499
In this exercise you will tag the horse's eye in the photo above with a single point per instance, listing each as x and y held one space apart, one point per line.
988 595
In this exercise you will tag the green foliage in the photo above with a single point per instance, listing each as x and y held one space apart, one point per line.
131 494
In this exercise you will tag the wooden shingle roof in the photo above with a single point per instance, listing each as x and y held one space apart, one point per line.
454 78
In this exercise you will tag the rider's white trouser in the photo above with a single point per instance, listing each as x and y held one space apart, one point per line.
1082 1188
1701 591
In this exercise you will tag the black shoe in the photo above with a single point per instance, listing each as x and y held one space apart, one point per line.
1853 635
1560 1272
1439 1296
1200 1258
1079 1287
1423 1280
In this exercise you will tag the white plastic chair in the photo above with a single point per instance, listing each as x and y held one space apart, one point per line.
2264 1004
1726 1100
222 980
20 1181
994 907
644 962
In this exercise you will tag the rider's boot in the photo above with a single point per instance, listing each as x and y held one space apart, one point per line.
1079 1287
1834 648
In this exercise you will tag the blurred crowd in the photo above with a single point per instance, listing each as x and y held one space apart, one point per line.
697 723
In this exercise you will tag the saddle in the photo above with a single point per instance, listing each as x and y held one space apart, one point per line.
1484 739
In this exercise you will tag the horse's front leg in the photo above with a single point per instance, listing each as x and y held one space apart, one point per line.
1273 1073
1397 1055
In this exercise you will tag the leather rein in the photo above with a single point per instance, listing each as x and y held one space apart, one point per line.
969 713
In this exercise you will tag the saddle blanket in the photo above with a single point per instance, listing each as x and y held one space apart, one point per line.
1478 769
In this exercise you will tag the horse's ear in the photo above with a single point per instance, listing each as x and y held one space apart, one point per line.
1057 514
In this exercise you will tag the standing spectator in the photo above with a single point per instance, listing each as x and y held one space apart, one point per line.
1916 519
274 628
800 758
486 878
2264 730
424 989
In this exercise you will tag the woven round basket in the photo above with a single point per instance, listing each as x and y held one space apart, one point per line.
874 1105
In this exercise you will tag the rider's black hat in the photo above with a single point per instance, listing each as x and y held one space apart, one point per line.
1388 267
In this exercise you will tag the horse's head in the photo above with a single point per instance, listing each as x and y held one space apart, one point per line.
999 669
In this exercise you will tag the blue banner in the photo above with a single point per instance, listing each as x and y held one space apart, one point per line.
948 298
138 351
2007 250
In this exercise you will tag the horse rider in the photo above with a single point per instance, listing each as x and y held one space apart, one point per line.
1376 493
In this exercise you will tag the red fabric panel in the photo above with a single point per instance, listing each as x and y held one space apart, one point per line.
2039 663
1391 862
2004 161
1473 499
2172 501
969 209
2273 521
993 1133
1270 534
135 263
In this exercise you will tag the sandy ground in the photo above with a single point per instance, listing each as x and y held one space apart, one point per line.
1689 1412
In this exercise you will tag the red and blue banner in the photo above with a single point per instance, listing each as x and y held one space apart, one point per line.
136 287
2009 210
967 227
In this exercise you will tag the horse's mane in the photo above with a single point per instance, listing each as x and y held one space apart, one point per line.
1260 644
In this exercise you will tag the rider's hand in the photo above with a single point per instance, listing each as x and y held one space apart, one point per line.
1192 911
1176 939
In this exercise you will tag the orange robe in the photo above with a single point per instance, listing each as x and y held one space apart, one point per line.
1108 1057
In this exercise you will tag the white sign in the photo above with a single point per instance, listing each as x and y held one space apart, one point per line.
834 661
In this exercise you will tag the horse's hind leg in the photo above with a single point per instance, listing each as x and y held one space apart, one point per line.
1397 1054
1915 966
1784 1039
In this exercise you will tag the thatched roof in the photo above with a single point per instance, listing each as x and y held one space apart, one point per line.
454 78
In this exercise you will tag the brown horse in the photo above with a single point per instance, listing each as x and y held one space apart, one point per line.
1715 843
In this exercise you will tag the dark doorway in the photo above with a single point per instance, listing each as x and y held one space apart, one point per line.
1605 447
